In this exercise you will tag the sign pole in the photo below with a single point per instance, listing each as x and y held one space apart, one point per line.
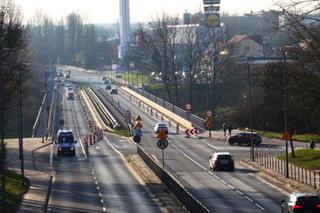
163 159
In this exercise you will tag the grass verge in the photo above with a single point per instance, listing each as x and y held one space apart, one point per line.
305 158
14 191
298 137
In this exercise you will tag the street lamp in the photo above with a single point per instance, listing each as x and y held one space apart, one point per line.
250 112
285 105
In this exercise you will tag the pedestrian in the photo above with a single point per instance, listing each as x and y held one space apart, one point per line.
224 126
312 144
229 129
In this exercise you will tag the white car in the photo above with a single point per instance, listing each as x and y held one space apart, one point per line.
159 126
221 161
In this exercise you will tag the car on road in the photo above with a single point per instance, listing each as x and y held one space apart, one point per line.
301 202
114 91
245 138
65 142
60 74
107 81
221 161
159 126
69 94
108 87
103 78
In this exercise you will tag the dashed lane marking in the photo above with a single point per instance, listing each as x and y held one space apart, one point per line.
215 176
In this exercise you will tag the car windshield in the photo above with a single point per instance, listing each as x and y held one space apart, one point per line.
224 157
162 125
65 139
307 200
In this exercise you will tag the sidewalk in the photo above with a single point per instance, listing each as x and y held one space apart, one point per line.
34 199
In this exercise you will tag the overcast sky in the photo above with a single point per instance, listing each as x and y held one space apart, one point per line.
107 11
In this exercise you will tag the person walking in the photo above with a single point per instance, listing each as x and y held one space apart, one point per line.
312 144
224 126
229 129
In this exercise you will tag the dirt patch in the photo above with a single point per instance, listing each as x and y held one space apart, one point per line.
158 190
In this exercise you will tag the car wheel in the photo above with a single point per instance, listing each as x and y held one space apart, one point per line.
231 143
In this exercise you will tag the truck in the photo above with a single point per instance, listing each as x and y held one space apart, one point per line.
65 142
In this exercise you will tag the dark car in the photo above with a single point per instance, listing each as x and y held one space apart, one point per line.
114 91
221 161
245 138
108 87
301 202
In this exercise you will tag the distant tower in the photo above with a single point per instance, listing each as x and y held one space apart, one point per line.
124 27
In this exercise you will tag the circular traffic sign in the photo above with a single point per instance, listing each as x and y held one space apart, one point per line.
213 20
209 113
162 143
188 106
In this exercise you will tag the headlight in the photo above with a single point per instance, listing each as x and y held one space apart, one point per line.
72 148
60 149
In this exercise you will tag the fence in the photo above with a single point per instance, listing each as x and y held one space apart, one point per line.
195 120
269 160
187 200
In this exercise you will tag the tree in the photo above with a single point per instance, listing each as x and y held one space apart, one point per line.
13 38
160 42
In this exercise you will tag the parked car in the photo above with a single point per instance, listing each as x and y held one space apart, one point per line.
103 78
60 74
301 202
221 161
159 126
245 138
114 91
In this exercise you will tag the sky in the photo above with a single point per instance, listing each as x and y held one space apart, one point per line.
107 11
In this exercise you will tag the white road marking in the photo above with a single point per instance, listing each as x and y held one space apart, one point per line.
104 209
101 201
98 188
100 195
112 147
218 178
96 182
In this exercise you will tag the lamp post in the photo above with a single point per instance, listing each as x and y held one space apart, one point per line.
250 112
285 105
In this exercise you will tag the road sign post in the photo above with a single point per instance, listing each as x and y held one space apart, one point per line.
162 144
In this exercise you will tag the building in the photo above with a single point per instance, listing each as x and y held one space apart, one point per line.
244 45
124 27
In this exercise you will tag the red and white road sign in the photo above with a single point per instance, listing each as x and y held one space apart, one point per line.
209 113
192 131
163 143
188 106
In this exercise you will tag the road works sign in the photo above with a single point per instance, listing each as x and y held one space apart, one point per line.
286 136
138 118
163 143
162 134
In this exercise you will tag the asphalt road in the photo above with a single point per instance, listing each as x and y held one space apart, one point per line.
99 182
187 160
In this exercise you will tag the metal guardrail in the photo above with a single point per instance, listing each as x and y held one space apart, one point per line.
114 107
105 115
187 200
195 120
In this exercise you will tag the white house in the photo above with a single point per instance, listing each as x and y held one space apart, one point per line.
244 45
